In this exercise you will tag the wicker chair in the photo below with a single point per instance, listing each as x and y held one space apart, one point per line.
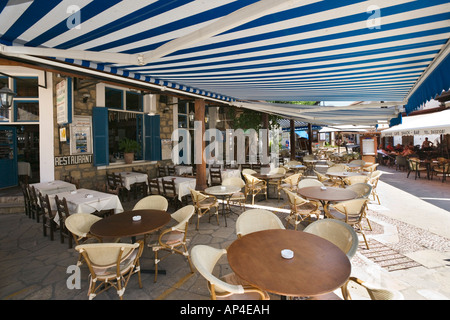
363 190
229 287
311 183
204 204
111 265
79 225
442 168
155 202
324 179
356 179
239 196
414 165
256 220
254 186
301 209
248 171
373 181
374 292
291 181
350 212
276 183
173 240
337 232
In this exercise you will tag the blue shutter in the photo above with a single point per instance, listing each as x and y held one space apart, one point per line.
100 136
152 138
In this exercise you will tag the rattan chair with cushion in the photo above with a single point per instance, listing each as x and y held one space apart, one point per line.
256 220
79 226
291 181
359 162
204 204
301 209
350 212
237 197
416 166
248 171
363 190
254 186
337 232
370 168
369 291
228 287
324 179
173 239
442 168
111 265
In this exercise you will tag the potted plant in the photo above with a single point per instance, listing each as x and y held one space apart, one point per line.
129 147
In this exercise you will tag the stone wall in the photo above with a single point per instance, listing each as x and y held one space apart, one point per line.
89 176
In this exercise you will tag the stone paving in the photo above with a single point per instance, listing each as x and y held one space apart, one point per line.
35 268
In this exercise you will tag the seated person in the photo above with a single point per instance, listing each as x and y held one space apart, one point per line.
390 148
408 150
426 145
399 148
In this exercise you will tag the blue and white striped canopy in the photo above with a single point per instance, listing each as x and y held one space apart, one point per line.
394 51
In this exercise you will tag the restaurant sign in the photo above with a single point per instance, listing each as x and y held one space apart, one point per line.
73 160
413 132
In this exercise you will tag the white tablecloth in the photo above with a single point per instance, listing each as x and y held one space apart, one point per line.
87 201
182 185
180 170
24 169
53 187
129 178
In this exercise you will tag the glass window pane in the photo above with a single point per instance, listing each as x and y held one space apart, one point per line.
113 98
123 125
182 121
26 87
182 107
3 82
4 114
27 110
134 101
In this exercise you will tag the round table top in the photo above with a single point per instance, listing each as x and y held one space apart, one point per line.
122 224
222 190
329 194
317 267
269 176
344 174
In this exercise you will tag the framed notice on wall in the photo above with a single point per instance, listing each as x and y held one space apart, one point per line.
64 101
81 135
166 149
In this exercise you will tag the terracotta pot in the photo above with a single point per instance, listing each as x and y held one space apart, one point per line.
129 157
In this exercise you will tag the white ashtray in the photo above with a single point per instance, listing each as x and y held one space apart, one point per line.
73 192
287 254
323 188
222 188
136 218
89 196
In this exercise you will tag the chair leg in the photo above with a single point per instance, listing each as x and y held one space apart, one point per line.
156 265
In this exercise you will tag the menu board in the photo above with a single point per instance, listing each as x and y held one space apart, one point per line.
368 146
81 135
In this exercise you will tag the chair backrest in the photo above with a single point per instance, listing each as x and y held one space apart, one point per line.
153 186
161 171
216 176
294 199
374 292
169 188
101 256
363 190
321 177
33 195
337 232
204 259
256 220
62 209
293 163
371 168
155 202
171 170
353 209
309 183
46 206
233 181
356 179
374 177
197 196
118 182
293 179
80 224
308 157
182 216
248 171
279 170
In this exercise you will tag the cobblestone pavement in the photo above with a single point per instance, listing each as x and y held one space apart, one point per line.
34 268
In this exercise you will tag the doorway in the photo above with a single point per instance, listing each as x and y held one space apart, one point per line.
28 153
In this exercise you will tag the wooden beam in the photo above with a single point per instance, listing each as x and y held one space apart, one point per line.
201 167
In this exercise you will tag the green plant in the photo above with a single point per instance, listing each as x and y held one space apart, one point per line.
129 145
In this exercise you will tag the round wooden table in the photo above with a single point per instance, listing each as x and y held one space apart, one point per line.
330 194
318 266
122 225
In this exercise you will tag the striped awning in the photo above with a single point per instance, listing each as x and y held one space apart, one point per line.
393 51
